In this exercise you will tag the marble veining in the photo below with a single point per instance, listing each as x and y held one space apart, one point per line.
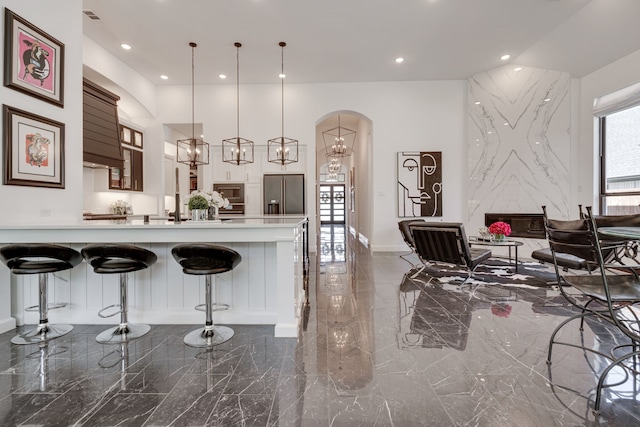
378 348
519 143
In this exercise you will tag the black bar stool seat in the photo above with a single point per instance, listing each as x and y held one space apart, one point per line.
207 259
116 258
40 259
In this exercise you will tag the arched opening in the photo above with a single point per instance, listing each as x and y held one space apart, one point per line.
343 184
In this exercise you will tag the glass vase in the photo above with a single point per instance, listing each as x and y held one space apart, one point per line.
214 213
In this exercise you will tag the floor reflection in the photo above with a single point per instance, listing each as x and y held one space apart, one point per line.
333 243
345 333
379 346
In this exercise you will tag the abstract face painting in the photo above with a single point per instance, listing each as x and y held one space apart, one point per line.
419 184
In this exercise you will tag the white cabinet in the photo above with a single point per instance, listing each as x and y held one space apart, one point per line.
253 199
225 172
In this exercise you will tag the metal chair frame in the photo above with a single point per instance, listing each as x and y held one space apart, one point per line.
446 242
611 290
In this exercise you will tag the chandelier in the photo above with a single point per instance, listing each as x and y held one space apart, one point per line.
192 151
237 151
339 141
282 150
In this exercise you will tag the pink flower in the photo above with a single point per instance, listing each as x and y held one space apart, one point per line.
500 228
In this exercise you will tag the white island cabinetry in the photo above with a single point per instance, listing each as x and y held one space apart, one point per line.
265 288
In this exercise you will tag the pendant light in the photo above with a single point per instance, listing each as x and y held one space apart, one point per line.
237 151
339 141
192 151
282 150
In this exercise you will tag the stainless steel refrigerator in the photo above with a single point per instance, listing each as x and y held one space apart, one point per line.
283 194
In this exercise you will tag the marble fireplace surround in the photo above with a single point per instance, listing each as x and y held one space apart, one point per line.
519 143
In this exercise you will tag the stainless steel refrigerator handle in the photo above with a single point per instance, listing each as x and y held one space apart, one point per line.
284 196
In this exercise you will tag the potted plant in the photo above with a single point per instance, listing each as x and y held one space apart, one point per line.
199 207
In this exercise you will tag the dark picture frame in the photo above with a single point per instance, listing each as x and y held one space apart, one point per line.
33 60
33 149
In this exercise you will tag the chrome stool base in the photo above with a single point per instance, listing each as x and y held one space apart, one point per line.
208 337
119 334
41 334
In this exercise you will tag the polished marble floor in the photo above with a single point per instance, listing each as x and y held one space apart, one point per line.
376 348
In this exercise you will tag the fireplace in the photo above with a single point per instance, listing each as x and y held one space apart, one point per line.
528 225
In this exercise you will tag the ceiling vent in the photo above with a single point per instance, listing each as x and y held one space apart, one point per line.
91 15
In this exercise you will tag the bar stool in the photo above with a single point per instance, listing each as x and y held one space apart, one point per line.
40 259
207 259
112 258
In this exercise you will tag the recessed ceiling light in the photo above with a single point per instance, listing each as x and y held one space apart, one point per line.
399 60
477 102
490 132
505 57
547 99
506 123
202 136
125 46
163 77
222 76
517 69
282 75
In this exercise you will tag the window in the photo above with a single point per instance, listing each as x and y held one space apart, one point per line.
620 162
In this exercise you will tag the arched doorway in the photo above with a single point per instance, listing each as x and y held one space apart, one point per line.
343 189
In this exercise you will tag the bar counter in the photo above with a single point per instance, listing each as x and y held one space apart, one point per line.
265 288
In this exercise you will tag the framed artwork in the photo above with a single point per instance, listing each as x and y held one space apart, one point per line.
419 183
33 149
33 60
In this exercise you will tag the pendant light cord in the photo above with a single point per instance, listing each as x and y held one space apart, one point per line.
238 45
193 67
282 45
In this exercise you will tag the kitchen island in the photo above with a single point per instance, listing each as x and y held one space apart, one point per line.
265 288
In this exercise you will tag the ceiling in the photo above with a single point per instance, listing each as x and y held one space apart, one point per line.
358 40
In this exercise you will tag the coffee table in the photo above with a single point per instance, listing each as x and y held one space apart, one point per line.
474 240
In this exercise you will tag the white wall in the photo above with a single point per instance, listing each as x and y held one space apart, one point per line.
24 205
404 115
611 78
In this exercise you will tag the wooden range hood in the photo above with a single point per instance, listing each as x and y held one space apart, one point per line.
101 129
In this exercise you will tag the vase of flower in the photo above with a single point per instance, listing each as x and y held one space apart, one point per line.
214 213
199 208
500 230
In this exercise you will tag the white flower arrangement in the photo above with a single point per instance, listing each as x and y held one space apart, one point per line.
119 207
214 198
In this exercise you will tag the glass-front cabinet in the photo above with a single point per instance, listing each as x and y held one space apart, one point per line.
130 177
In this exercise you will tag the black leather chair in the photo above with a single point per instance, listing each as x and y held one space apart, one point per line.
447 242
207 260
40 259
610 293
115 258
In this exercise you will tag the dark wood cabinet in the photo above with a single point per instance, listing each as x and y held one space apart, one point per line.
130 176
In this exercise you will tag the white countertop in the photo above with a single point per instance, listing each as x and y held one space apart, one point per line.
236 229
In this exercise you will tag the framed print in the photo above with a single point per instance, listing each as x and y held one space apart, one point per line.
33 149
33 60
419 183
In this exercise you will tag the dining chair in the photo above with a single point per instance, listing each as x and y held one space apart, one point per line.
611 294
